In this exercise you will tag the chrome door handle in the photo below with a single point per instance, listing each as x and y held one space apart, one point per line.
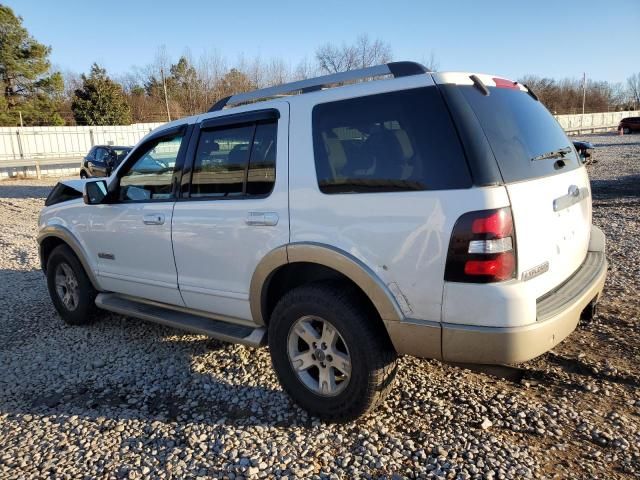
266 219
153 219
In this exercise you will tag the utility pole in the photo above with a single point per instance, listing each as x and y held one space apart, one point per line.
166 98
584 90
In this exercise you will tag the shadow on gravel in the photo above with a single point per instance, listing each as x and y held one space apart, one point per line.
8 190
621 187
188 400
49 368
624 144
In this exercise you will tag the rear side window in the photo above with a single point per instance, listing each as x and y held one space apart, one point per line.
524 137
397 141
235 161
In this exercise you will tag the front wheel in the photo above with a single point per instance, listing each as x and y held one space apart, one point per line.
330 353
626 130
69 287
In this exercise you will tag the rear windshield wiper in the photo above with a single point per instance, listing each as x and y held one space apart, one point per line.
559 153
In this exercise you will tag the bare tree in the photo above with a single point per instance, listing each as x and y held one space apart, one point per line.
633 87
431 61
211 68
304 70
363 53
371 52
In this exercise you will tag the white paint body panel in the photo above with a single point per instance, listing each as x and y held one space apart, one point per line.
216 252
542 235
143 263
402 236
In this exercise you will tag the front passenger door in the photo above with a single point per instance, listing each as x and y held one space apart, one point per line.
98 167
131 235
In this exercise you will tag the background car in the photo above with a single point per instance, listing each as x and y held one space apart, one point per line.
585 150
102 159
629 125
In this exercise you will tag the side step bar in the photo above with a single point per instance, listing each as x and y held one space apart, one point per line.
225 331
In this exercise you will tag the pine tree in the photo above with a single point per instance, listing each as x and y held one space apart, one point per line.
27 85
100 101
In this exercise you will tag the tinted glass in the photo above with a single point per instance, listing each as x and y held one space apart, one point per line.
120 153
221 161
262 166
101 154
520 129
149 178
395 141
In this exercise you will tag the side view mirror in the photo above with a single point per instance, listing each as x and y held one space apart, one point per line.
94 192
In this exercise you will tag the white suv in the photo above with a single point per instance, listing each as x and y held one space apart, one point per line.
346 220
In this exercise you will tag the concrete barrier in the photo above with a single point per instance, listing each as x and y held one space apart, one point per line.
593 122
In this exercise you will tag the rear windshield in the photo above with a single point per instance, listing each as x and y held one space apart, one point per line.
525 138
397 141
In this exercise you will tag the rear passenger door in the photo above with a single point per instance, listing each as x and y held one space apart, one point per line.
233 210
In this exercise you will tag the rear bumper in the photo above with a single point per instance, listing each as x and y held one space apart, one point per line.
558 315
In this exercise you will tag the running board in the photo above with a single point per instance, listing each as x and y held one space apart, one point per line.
228 332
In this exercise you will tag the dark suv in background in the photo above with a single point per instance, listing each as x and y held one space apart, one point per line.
629 125
102 159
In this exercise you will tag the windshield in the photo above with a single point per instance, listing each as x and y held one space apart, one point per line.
524 137
120 154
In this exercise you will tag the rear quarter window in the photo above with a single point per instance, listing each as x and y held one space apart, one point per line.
519 129
399 141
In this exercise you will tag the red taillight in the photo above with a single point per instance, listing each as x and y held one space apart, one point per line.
500 268
482 247
498 223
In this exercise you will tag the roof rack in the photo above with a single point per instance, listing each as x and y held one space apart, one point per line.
397 69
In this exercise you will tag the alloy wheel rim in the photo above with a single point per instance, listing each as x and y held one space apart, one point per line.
319 356
67 286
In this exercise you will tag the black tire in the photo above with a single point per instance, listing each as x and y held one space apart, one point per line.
85 310
373 359
83 174
626 130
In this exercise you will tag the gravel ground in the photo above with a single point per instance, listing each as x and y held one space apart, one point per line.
126 399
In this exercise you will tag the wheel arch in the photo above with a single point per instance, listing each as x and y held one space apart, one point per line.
328 259
51 237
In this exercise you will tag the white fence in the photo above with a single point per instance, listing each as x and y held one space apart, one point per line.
31 143
593 122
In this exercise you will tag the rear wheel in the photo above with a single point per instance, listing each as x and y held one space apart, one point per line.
626 130
69 287
83 174
332 358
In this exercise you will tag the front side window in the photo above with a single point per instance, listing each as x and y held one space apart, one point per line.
150 177
101 155
235 161
398 141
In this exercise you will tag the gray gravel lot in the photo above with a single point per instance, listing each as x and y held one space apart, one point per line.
125 399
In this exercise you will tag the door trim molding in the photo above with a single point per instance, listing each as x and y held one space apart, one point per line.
144 281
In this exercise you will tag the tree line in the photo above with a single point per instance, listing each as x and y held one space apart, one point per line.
35 94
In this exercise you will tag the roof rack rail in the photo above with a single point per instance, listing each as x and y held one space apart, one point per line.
397 69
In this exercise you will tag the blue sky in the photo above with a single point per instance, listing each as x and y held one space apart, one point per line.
548 38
